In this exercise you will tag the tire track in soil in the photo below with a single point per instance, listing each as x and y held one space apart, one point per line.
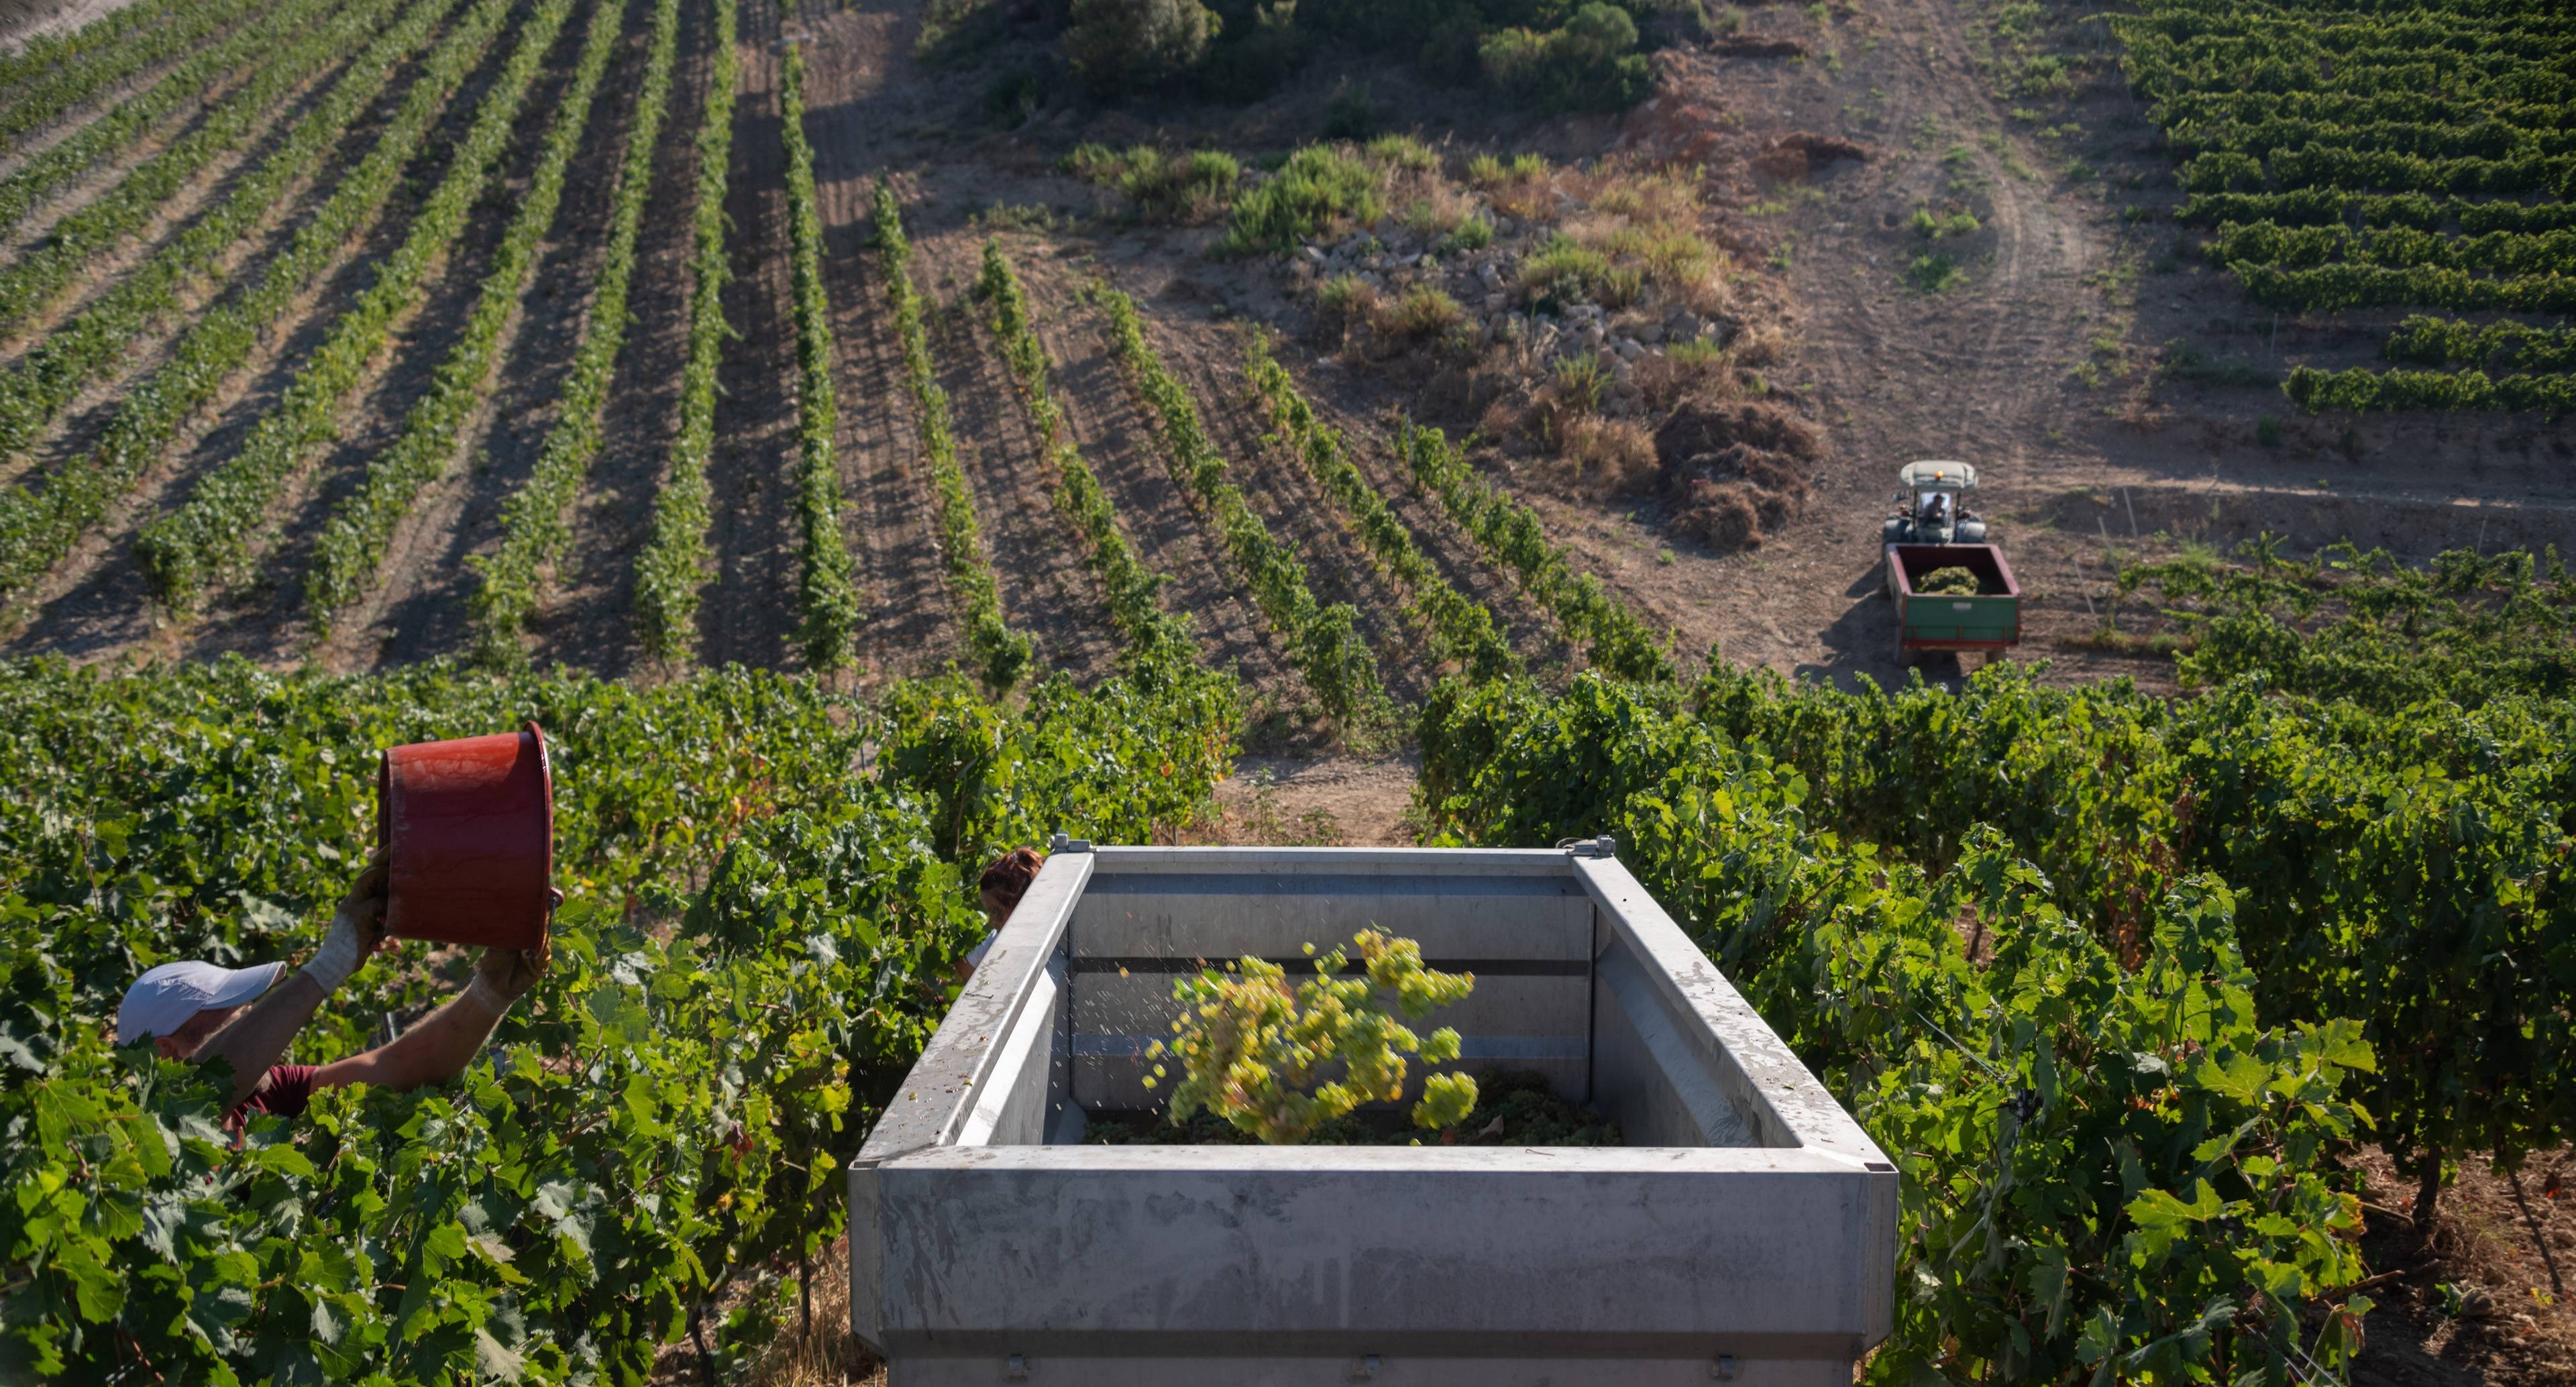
81 421
748 613
96 603
861 91
265 619
588 622
1168 530
1047 590
418 609
1299 514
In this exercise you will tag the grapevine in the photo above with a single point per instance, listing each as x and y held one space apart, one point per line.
1324 643
1002 653
207 540
675 563
829 600
39 527
534 533
352 542
572 1217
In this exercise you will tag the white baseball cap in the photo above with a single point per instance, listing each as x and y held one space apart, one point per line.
161 1001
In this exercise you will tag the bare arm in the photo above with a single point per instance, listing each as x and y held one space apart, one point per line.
433 1052
439 1048
258 1038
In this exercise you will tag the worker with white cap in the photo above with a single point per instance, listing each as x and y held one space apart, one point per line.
194 1010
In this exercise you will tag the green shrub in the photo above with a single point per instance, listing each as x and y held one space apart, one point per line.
1562 272
1590 64
1259 45
1317 187
1013 97
1403 152
1473 232
1423 312
1345 297
1933 272
1165 187
1350 114
1124 43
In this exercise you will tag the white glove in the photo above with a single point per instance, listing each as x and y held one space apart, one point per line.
357 928
341 953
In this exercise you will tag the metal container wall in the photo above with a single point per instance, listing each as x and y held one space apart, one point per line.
1748 1232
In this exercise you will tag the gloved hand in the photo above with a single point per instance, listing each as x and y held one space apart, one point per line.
502 976
357 929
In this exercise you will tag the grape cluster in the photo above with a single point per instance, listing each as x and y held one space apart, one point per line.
1252 1051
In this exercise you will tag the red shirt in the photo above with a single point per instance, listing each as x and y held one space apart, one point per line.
283 1093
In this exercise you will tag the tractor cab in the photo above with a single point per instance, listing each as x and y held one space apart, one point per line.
1932 507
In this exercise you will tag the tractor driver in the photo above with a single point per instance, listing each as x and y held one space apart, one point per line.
1936 512
195 1011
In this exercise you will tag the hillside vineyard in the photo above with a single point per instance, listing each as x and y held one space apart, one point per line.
855 493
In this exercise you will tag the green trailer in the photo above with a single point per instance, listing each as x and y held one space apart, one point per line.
1988 620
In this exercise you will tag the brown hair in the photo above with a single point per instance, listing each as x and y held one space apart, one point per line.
1009 877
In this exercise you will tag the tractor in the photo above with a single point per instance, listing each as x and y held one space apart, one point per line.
1932 508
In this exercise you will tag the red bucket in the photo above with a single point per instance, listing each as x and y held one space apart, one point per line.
468 831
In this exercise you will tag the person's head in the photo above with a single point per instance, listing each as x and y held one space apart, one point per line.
182 1005
1006 881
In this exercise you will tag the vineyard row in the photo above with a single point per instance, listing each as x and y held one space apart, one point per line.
39 526
1323 642
1130 585
535 534
676 564
207 542
1001 654
826 596
1459 627
352 544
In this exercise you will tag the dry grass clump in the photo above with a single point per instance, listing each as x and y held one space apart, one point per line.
1445 213
1760 344
1682 371
1608 454
832 1356
1581 382
1637 236
1519 187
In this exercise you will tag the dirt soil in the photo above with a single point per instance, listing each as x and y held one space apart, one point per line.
2487 1302
23 21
